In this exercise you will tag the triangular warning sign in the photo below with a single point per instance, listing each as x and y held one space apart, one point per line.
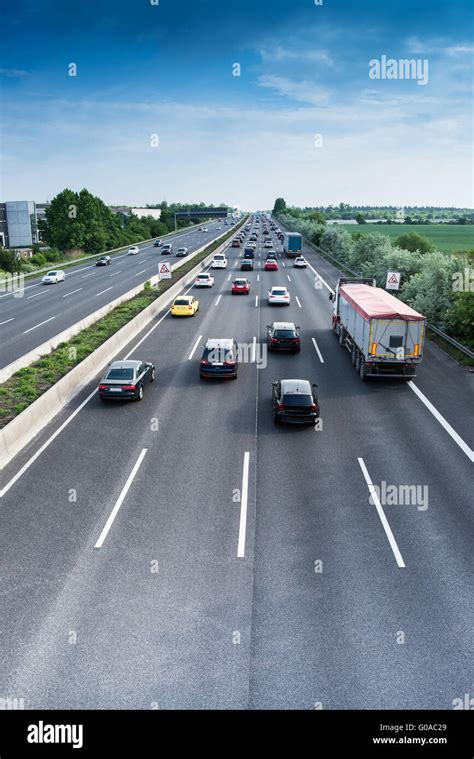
393 279
164 268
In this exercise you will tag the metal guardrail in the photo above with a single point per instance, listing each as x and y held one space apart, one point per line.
463 348
75 261
455 343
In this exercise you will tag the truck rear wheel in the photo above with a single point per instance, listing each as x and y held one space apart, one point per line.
362 373
353 354
357 361
342 336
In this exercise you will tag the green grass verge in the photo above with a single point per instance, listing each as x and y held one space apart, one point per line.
28 384
446 237
458 355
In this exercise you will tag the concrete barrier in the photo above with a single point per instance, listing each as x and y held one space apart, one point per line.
49 345
23 428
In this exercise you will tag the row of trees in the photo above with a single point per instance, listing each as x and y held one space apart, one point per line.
80 221
346 211
436 284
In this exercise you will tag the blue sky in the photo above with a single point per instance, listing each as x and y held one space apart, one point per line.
167 70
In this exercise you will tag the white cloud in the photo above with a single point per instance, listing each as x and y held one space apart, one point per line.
304 90
279 54
460 50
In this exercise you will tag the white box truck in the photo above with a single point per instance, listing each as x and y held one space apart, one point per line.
383 335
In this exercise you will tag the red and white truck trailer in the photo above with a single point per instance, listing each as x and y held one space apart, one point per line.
383 335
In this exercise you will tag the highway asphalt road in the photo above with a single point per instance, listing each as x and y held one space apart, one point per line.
46 310
186 552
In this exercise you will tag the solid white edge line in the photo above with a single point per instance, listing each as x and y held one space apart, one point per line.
38 325
194 348
47 442
381 513
298 301
319 277
243 506
120 500
452 432
317 350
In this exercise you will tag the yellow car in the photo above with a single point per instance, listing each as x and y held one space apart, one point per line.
185 305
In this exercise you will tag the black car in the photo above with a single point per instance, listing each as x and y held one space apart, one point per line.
125 380
246 265
219 359
294 401
283 336
103 261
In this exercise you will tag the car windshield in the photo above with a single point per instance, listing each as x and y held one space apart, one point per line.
120 374
181 302
296 399
284 333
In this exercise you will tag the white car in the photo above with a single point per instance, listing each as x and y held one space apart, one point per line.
218 227
134 250
204 280
219 261
268 244
300 263
53 277
278 296
204 229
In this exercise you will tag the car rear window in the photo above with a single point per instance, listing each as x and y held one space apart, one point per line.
120 374
284 333
278 292
218 355
181 302
297 400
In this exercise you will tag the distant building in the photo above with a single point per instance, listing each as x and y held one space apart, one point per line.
143 212
19 223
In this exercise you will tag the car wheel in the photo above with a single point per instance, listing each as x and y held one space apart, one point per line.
140 393
276 419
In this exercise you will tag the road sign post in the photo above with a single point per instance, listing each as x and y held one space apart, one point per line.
393 280
164 270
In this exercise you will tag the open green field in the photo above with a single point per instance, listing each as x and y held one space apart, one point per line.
446 237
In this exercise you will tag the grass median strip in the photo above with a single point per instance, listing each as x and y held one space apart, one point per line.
28 384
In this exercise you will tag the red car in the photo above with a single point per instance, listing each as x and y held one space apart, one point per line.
235 243
271 265
240 287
